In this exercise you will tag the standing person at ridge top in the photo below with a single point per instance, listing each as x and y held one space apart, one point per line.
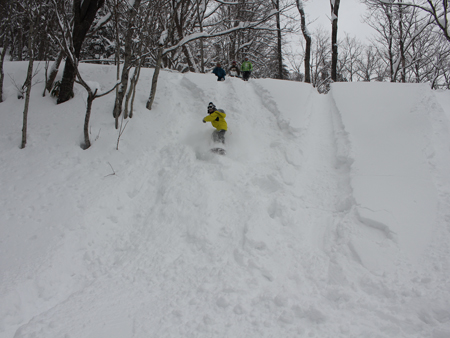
234 70
219 72
246 69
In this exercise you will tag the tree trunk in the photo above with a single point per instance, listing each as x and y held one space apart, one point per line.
334 30
307 37
28 85
54 71
390 44
127 60
402 44
90 99
155 79
279 51
129 94
200 17
84 14
179 28
134 90
117 57
2 74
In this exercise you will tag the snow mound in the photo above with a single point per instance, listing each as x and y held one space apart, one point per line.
328 217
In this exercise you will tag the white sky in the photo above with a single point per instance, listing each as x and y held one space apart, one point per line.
350 21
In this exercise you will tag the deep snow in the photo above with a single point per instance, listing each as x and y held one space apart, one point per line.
328 217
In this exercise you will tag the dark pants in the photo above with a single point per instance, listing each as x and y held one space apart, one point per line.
219 136
246 75
220 78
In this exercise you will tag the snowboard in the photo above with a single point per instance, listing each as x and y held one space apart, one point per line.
219 151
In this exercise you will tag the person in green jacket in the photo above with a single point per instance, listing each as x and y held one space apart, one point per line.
246 69
217 119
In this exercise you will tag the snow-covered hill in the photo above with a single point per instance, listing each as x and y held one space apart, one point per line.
328 217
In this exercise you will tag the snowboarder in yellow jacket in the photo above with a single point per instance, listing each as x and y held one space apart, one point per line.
217 119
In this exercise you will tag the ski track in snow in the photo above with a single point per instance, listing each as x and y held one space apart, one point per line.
174 241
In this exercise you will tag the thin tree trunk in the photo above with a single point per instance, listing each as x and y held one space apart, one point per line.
402 45
2 74
28 85
155 79
134 90
47 63
334 31
117 60
279 51
179 29
129 93
200 13
390 45
127 60
90 99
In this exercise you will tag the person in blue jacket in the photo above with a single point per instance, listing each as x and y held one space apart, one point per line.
219 72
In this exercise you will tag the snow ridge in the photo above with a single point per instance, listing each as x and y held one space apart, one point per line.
296 232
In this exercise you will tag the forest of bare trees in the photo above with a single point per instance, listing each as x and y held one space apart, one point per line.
410 42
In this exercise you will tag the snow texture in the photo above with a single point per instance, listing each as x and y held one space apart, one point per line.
328 217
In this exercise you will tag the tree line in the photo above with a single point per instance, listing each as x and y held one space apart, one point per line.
410 43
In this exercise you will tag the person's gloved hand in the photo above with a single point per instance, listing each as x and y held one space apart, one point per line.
204 121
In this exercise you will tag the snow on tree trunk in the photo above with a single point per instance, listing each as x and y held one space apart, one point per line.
54 72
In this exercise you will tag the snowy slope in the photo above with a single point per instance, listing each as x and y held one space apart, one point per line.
329 216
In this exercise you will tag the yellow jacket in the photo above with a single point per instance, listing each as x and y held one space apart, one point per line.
217 120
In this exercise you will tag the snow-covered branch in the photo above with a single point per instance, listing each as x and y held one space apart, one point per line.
199 35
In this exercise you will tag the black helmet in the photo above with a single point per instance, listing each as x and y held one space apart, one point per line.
211 106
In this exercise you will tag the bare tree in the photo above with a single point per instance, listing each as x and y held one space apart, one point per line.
66 44
380 17
368 64
3 50
398 27
184 17
438 11
6 8
350 55
151 98
84 12
334 43
32 11
307 37
130 19
279 54
320 60
201 11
